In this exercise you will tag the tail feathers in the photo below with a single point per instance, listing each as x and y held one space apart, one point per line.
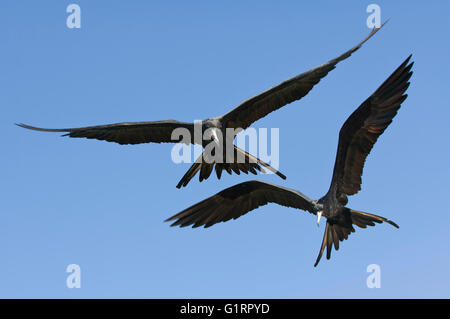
338 229
333 234
192 171
205 171
251 165
253 159
207 168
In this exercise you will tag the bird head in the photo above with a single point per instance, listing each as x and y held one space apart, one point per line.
212 134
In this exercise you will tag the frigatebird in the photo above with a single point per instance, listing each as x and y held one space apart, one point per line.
237 119
356 139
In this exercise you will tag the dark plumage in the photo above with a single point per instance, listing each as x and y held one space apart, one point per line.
356 138
242 116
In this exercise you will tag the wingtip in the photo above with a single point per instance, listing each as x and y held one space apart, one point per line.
374 30
168 220
392 223
387 20
40 129
408 59
407 64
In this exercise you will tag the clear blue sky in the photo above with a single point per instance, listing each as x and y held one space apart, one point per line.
101 205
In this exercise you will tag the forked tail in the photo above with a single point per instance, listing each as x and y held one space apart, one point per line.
252 165
338 228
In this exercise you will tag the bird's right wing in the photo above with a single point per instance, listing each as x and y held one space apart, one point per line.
363 127
127 133
284 93
238 200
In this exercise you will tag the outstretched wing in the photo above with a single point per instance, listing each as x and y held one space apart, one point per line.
127 133
238 200
284 93
362 129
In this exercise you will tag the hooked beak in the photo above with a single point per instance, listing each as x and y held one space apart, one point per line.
214 136
319 215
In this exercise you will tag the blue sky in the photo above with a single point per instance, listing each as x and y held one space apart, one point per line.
101 205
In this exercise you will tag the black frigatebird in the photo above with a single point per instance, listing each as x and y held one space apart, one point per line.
239 118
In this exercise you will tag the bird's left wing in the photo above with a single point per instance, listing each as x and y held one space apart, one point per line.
284 93
127 133
363 127
238 200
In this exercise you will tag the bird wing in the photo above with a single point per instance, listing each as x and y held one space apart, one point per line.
284 93
362 129
238 200
127 133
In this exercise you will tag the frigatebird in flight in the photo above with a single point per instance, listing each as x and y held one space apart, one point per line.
356 139
240 117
